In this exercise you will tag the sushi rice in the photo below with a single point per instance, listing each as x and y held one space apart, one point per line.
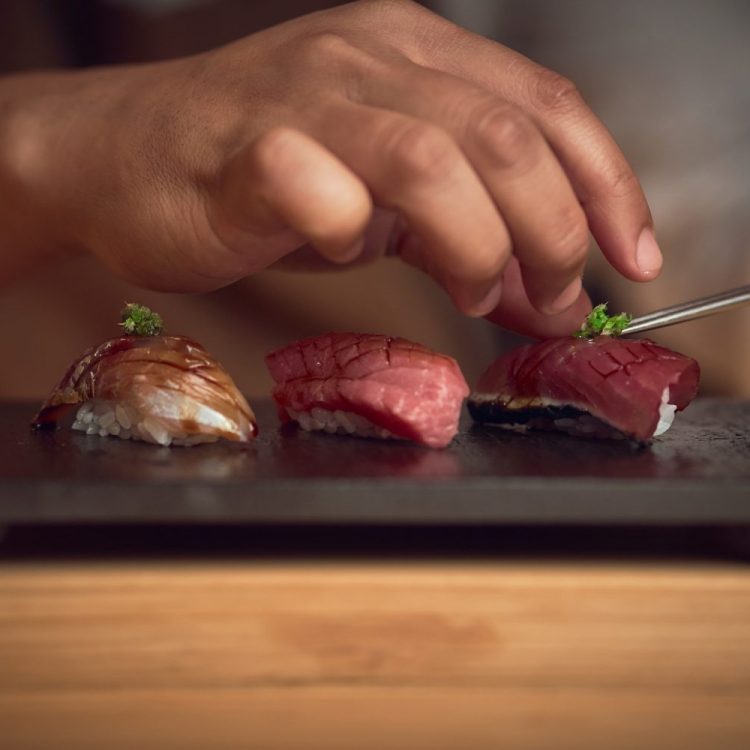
588 425
338 421
108 418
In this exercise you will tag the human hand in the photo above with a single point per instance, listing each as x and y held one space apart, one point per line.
372 128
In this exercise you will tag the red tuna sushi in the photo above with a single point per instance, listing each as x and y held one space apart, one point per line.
600 387
369 385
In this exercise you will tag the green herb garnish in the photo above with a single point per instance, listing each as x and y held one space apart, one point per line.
139 320
598 323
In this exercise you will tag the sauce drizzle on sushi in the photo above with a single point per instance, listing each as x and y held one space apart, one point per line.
157 388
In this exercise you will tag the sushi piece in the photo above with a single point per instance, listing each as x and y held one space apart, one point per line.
597 386
148 386
369 385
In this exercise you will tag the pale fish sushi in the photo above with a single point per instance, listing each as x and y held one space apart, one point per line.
604 387
369 385
144 385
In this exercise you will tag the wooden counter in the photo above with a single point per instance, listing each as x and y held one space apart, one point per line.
334 654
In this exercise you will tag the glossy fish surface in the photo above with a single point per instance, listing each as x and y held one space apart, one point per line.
170 380
629 385
369 384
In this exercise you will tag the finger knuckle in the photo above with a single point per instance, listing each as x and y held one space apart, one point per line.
484 263
504 131
556 93
324 47
270 149
621 182
333 54
489 265
422 151
348 221
405 25
569 248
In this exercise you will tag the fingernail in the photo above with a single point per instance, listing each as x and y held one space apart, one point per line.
647 253
564 300
487 303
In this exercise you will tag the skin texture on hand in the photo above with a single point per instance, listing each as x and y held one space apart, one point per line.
370 129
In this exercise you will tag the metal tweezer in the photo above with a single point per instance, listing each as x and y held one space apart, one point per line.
698 308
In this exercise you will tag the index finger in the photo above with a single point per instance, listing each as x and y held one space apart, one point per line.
607 188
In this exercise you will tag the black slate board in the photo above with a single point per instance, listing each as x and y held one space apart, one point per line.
697 473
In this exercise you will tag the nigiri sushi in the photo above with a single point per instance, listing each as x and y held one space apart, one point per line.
148 386
369 385
603 386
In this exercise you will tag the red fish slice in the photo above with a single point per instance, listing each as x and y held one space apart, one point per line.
626 384
371 385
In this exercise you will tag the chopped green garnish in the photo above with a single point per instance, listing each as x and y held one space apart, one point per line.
598 323
139 320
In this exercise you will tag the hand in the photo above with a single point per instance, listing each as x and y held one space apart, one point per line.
372 128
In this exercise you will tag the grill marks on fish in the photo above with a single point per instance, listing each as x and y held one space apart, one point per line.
349 356
397 386
619 382
612 361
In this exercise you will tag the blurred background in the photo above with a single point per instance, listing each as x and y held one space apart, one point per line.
669 78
